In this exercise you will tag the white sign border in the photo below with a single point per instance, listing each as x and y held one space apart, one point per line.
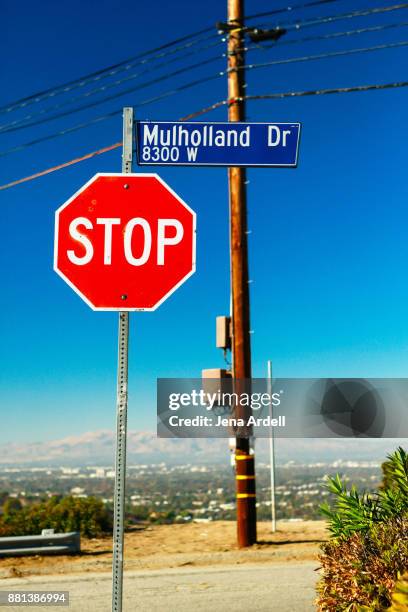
214 164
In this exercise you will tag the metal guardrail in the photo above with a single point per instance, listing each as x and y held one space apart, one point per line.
47 543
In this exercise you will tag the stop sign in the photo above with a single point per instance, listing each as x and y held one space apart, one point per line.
124 242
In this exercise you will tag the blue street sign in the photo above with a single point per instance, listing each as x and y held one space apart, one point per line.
181 143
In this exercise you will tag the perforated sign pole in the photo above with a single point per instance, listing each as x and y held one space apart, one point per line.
121 408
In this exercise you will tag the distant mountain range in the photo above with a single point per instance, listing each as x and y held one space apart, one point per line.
97 448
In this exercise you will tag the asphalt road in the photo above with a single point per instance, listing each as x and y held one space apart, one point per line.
281 587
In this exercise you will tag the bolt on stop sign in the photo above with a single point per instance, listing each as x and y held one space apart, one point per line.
125 242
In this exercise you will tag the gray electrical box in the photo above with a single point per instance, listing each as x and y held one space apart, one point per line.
223 332
216 380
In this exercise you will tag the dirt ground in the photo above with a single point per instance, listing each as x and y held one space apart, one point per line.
169 546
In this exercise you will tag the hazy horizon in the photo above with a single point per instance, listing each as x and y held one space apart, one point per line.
97 447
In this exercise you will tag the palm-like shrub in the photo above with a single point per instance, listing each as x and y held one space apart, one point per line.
368 550
353 511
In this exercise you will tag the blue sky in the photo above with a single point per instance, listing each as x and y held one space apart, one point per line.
328 247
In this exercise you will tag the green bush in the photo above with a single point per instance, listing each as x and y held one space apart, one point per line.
395 471
368 550
353 511
360 572
87 515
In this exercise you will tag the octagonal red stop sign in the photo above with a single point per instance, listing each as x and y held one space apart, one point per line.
125 242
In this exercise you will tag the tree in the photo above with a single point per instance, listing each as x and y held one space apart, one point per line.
86 515
11 506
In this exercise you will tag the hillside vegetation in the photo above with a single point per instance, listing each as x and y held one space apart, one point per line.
87 515
368 549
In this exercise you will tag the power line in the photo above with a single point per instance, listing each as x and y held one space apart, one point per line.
99 74
128 63
322 92
22 121
307 58
63 165
207 109
13 128
290 94
75 128
346 33
116 145
193 84
310 92
109 115
297 25
289 9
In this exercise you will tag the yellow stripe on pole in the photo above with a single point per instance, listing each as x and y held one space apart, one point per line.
242 457
245 477
245 495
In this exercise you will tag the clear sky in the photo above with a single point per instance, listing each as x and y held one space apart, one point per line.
328 247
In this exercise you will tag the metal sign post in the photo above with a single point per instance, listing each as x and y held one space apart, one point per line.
272 449
104 267
121 408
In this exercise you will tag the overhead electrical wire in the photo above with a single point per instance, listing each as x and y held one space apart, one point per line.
64 132
108 115
296 25
193 84
140 58
307 23
22 121
144 57
94 76
331 54
290 94
299 94
25 121
289 9
332 35
12 128
76 160
71 162
322 92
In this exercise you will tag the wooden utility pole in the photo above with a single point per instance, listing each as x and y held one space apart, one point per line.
241 344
